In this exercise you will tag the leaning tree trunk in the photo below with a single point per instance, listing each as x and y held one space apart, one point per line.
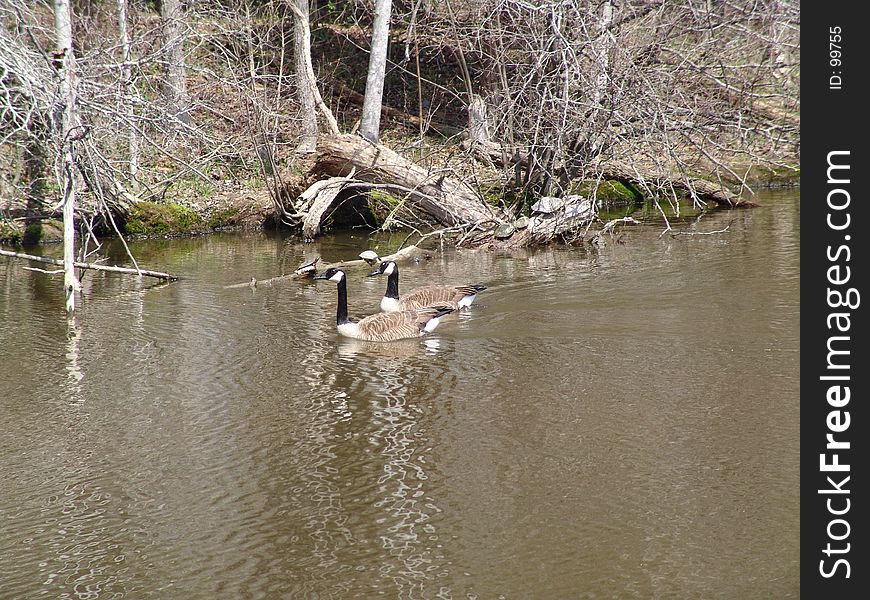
302 50
303 61
64 126
370 124
449 201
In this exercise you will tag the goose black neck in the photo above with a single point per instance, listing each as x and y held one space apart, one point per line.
341 311
393 285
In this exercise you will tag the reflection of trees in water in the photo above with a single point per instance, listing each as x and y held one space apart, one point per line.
405 528
64 515
324 517
365 474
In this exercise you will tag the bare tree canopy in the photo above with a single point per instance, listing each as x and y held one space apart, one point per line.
506 100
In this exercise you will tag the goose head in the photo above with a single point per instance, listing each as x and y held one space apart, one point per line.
332 274
385 268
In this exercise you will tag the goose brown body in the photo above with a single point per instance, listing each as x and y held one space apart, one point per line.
391 326
458 296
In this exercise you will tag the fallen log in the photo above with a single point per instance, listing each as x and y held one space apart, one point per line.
544 227
703 190
448 200
83 265
321 199
352 162
564 220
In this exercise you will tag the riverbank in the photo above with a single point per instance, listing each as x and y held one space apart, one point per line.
254 210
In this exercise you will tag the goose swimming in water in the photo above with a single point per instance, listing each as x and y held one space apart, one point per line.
457 296
383 327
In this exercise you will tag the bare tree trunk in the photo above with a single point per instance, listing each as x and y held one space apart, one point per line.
175 87
588 144
64 51
478 128
603 44
128 90
301 50
370 124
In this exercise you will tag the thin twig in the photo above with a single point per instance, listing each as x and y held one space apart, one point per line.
723 230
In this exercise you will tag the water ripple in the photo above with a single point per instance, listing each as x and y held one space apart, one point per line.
586 428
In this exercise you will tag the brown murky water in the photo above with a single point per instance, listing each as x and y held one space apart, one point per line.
616 423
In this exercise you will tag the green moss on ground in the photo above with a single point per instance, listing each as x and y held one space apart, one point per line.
38 232
150 218
10 234
226 217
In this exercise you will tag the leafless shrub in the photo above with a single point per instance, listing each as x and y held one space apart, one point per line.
673 88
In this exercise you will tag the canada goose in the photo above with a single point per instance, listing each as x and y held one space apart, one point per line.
458 296
383 327
370 256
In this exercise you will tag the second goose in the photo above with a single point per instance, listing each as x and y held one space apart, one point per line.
457 296
383 327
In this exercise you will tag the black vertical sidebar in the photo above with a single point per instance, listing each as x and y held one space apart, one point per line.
834 264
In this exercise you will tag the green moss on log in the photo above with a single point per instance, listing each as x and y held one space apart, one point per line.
610 191
381 204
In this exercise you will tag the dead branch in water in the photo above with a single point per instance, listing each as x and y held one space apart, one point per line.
611 225
83 265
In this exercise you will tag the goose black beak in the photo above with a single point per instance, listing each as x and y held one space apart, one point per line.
321 276
375 273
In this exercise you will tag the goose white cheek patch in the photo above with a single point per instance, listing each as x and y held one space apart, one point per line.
337 277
